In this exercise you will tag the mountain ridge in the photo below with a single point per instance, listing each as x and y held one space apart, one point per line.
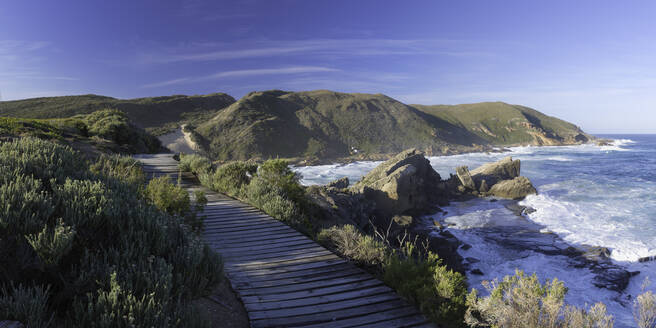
321 125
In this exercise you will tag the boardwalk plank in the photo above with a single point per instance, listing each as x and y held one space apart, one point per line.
314 296
281 313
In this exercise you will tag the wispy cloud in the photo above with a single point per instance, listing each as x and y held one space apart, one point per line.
243 73
316 47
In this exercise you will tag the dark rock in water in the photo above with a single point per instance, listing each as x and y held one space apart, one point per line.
493 200
438 225
462 172
483 188
516 188
647 259
505 169
465 247
519 210
477 272
612 277
405 184
472 259
596 253
340 183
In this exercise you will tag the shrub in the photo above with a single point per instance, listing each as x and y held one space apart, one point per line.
522 301
109 258
229 178
114 125
28 305
644 308
194 163
271 199
349 242
277 172
168 197
439 293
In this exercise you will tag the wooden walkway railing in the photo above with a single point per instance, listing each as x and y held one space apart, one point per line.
283 278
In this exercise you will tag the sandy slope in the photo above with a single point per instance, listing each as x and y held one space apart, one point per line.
179 142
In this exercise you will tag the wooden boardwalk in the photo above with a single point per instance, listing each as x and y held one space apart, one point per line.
283 278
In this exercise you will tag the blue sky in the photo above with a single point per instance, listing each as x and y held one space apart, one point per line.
589 62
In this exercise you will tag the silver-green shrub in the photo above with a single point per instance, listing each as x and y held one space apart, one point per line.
110 258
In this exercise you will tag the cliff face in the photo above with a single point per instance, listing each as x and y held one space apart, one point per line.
503 124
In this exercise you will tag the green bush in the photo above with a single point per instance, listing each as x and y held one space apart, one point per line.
194 163
349 242
114 125
271 199
28 305
110 259
231 177
522 301
439 293
168 197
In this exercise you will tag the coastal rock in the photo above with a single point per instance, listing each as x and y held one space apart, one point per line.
492 173
339 207
516 188
339 183
483 188
462 172
405 184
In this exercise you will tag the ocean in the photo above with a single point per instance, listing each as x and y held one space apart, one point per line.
587 195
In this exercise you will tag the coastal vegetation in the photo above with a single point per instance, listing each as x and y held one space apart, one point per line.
82 244
102 131
155 113
320 125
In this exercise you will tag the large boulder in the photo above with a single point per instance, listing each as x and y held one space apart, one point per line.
462 172
405 184
505 169
516 188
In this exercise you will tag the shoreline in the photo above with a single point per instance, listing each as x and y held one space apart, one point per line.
304 162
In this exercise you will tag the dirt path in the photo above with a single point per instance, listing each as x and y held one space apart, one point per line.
179 141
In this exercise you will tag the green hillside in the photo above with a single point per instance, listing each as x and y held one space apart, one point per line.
322 124
503 124
325 124
146 112
318 125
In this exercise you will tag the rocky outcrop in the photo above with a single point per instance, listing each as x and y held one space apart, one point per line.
500 179
339 183
462 172
516 188
405 184
492 173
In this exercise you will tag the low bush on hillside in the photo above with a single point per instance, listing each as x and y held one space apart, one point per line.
194 163
349 242
419 277
175 200
114 125
272 187
108 130
80 245
522 301
439 292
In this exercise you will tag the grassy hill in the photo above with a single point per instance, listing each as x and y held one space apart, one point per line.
503 124
103 131
151 113
319 124
322 124
326 124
